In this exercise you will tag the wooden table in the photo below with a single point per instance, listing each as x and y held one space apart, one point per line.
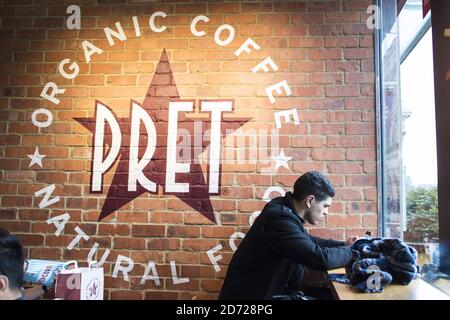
416 290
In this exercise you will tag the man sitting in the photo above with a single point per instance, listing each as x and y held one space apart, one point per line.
270 261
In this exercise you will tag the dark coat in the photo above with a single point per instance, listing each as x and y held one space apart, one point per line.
271 258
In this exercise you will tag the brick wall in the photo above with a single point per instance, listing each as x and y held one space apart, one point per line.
323 50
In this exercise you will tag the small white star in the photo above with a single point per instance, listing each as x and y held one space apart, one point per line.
282 160
36 158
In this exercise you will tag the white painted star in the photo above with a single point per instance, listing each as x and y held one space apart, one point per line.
36 158
282 160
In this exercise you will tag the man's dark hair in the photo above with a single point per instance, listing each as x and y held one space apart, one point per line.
313 183
11 259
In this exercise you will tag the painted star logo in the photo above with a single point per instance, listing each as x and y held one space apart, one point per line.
36 158
145 144
282 160
93 290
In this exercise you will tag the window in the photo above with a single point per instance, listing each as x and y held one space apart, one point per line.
407 128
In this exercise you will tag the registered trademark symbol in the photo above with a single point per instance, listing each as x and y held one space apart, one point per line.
225 191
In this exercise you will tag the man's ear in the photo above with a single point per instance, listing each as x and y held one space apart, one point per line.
309 200
4 284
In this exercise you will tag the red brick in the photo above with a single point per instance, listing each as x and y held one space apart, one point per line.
172 43
198 245
255 30
163 244
16 226
284 180
149 204
223 7
148 231
20 175
368 65
368 116
46 253
217 232
369 141
31 240
211 285
344 116
348 194
33 214
326 129
166 217
344 221
250 205
370 221
129 243
357 78
361 207
191 8
344 142
295 31
58 241
361 154
342 17
328 154
307 66
359 103
303 167
127 295
161 295
239 19
341 42
344 167
324 6
13 201
367 90
356 29
335 234
333 66
7 214
114 229
342 91
357 54
361 180
289 6
183 231
144 256
325 54
182 257
198 271
325 78
370 194
356 5
196 218
256 7
325 29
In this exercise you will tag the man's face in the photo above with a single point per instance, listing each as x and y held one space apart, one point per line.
317 210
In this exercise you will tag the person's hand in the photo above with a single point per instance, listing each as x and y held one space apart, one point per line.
351 240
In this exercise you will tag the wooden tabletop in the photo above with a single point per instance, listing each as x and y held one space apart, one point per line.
415 290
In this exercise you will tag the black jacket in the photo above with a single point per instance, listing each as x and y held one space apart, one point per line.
271 258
